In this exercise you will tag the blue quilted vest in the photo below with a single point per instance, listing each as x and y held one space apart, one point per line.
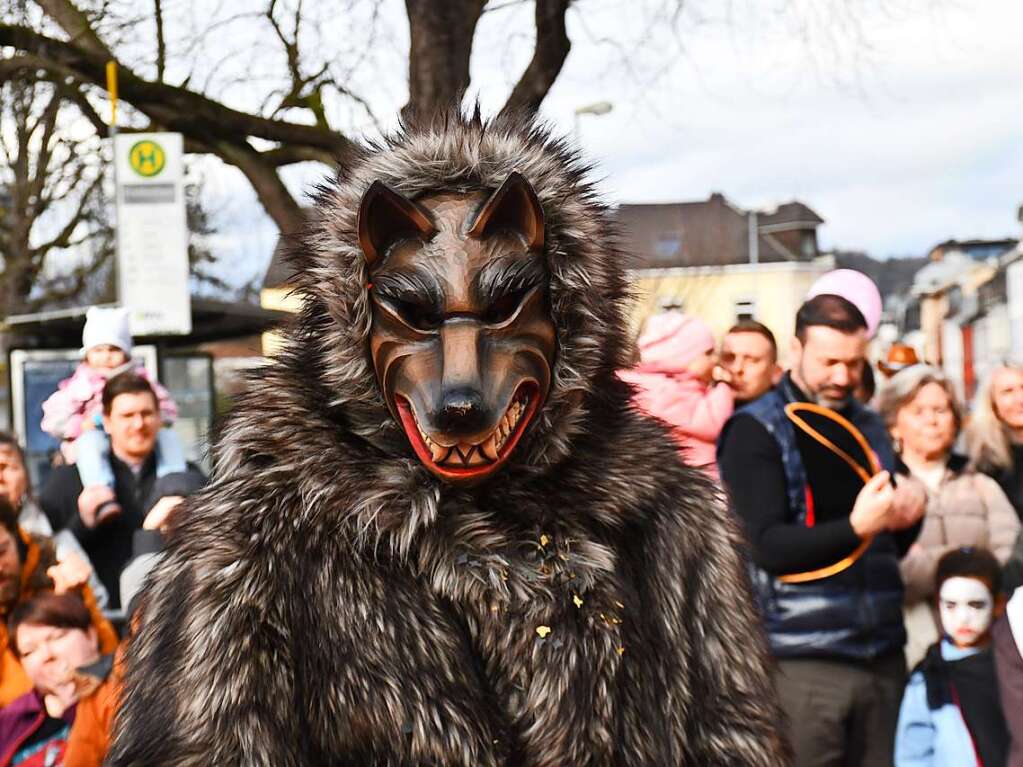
855 614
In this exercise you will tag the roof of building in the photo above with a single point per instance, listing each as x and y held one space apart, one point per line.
212 320
978 250
711 232
790 214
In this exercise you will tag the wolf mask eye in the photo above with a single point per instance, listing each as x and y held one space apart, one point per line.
418 316
504 307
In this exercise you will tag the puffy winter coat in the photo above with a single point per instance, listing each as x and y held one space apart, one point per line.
694 411
855 614
968 509
39 555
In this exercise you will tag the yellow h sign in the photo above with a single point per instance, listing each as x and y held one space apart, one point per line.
147 158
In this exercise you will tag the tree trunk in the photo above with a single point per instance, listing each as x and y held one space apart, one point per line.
441 43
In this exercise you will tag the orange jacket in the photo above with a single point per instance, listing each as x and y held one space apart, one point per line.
39 556
89 740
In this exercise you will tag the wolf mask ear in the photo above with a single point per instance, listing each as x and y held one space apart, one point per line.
385 217
513 206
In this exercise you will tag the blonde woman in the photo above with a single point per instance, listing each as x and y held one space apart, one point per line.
964 507
995 435
995 443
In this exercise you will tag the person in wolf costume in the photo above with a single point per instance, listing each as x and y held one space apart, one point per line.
439 534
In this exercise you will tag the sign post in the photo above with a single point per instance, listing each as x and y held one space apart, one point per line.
152 233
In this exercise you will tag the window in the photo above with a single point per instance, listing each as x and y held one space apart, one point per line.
668 245
745 309
809 245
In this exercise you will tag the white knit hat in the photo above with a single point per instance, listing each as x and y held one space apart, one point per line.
106 327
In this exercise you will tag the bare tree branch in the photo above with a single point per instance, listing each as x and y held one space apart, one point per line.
67 286
287 155
161 44
549 54
173 107
271 191
63 238
74 94
76 25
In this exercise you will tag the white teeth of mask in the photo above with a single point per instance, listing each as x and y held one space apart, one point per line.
490 447
487 451
966 607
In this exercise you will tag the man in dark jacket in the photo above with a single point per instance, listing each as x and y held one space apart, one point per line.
131 418
838 640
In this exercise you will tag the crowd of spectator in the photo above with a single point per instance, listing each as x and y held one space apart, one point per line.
863 576
886 588
72 557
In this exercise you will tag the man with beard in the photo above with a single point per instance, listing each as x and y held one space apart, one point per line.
838 639
131 418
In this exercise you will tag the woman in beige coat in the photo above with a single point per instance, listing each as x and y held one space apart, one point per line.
964 507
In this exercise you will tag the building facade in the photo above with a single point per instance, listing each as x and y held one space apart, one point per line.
722 263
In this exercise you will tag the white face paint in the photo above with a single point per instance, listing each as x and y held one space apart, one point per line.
966 606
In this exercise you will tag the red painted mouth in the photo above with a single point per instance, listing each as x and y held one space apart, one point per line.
478 459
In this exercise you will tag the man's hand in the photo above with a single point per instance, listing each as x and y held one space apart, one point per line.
89 503
159 516
70 573
873 509
909 504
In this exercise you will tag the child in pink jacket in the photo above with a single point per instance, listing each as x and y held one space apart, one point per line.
674 382
73 414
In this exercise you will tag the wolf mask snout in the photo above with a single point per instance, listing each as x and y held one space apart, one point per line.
462 340
461 411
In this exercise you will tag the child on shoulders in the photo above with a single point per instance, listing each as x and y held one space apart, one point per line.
73 413
675 382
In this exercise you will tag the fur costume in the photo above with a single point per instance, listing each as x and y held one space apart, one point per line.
328 600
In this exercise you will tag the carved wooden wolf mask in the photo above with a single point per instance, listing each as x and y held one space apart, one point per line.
462 338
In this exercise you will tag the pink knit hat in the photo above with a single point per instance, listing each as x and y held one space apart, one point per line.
671 340
856 288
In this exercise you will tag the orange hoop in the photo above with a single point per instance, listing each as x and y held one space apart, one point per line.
792 410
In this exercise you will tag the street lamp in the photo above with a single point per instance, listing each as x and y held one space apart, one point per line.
596 108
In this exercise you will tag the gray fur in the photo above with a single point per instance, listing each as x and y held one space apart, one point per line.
328 601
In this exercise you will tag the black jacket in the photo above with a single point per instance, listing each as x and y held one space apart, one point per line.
854 615
109 545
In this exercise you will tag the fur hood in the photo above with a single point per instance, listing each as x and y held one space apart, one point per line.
327 347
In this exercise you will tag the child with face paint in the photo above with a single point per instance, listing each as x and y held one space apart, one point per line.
951 714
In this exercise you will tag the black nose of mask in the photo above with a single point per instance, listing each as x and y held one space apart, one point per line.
461 412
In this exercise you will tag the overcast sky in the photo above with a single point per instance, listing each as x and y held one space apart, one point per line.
909 135
899 121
